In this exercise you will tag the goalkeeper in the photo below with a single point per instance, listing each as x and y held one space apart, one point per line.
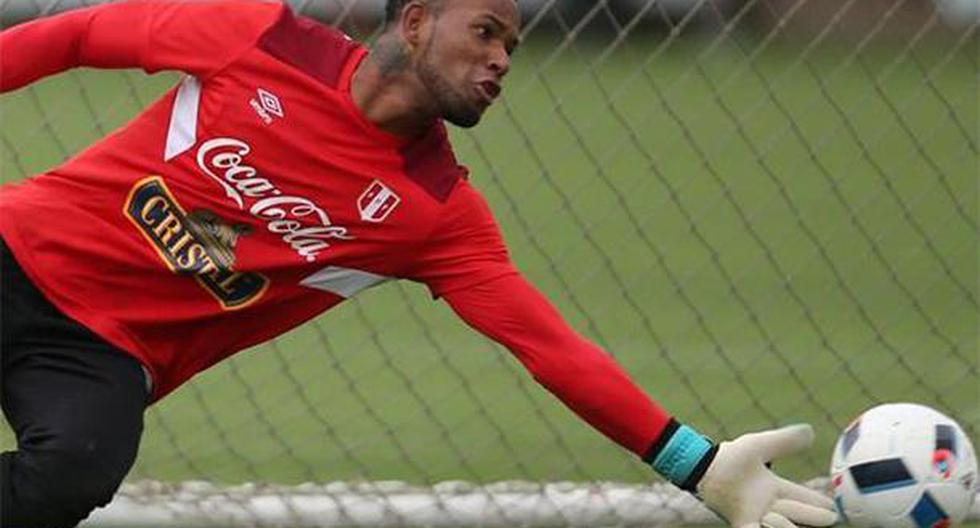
289 170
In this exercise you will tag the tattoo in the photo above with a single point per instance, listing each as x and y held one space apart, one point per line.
390 56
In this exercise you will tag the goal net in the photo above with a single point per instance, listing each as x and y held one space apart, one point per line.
766 210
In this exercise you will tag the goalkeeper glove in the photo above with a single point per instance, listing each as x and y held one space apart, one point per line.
733 478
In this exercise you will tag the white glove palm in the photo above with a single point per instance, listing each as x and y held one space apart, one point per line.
739 487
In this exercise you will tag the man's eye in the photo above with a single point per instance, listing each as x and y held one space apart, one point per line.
484 32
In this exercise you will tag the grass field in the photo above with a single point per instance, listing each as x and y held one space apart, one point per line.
787 238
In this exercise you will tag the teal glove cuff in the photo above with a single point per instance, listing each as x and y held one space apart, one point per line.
680 454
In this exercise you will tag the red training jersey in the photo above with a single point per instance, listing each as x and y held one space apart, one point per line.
255 195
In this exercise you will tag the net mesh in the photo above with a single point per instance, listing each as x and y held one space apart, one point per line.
766 210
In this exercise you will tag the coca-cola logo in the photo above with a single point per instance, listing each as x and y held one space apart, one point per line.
299 222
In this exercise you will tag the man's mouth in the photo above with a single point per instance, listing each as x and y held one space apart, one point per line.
490 90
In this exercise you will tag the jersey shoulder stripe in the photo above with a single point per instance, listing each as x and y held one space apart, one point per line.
431 164
313 48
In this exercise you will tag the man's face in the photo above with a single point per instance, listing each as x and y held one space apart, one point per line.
465 55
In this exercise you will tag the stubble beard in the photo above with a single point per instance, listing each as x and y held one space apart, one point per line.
450 103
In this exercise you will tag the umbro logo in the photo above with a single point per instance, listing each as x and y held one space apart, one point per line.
267 106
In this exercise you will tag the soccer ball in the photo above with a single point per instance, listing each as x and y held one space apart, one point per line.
903 465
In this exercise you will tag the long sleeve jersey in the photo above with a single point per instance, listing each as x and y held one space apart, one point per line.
255 195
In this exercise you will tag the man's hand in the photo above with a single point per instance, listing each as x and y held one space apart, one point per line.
738 486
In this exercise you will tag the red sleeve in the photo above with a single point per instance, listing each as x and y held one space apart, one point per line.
465 249
512 312
196 37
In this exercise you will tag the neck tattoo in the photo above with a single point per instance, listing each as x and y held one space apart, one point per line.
390 56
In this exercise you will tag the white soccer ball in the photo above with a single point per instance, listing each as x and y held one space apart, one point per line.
903 465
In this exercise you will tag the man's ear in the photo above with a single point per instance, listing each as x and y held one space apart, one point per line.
412 23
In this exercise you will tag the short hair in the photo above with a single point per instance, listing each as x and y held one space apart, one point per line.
393 9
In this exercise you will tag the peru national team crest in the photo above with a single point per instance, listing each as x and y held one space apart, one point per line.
377 202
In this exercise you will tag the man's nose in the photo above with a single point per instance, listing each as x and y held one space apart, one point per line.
500 61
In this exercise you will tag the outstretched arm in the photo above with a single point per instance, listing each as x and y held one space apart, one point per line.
512 312
465 262
731 478
195 37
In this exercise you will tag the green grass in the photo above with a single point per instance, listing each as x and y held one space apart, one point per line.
758 243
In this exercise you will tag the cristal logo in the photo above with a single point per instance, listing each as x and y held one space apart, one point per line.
301 224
